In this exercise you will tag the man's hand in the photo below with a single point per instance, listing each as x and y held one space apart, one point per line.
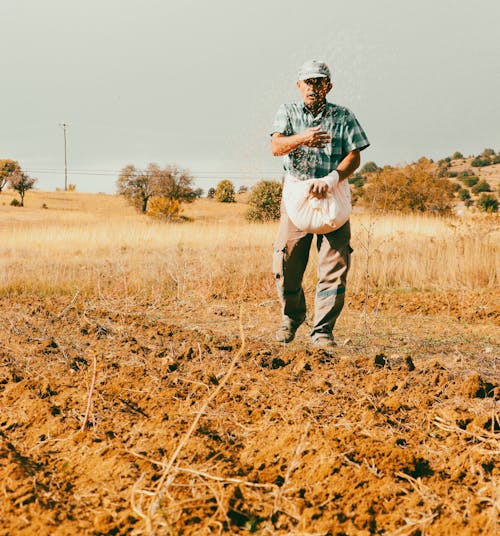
315 137
318 188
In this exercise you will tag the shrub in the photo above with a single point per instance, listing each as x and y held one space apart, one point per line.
481 186
211 193
480 162
357 180
467 173
488 153
413 188
265 201
452 174
15 203
71 187
164 208
468 203
469 181
487 203
224 193
463 194
456 155
496 159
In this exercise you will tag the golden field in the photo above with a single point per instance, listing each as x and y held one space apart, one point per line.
141 391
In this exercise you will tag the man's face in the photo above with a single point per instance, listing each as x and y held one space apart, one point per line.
314 90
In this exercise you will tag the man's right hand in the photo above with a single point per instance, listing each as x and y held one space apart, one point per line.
315 137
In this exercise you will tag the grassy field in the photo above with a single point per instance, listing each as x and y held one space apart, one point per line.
141 391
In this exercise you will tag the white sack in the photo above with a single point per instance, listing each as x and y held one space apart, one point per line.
314 215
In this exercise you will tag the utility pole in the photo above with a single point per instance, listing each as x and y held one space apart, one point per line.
64 126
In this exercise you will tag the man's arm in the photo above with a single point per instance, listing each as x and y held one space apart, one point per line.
311 137
348 165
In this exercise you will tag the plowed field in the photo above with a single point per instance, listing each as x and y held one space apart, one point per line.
179 418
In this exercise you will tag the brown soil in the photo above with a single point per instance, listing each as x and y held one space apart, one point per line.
193 431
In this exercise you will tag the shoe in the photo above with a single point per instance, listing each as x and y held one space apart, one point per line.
323 342
286 333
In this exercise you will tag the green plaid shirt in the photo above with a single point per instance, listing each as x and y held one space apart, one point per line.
313 162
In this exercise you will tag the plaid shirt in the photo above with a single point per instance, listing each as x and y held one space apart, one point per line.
313 162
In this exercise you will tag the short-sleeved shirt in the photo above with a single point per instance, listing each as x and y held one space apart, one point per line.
313 162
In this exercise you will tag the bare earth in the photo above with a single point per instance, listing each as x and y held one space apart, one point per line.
199 424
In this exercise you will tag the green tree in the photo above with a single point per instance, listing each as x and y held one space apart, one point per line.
8 168
457 155
265 201
21 183
487 203
224 193
481 186
369 167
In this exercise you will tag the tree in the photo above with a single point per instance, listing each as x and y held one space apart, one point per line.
487 203
211 193
173 182
457 155
369 167
21 183
265 201
137 185
8 168
224 193
487 153
243 189
198 193
413 188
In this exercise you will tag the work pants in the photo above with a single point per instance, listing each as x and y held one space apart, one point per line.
291 253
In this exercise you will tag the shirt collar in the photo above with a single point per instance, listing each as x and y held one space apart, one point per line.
327 110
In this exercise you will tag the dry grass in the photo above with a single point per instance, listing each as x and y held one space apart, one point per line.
96 243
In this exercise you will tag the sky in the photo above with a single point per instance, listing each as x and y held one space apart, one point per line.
197 83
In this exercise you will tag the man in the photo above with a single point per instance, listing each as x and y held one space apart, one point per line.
318 140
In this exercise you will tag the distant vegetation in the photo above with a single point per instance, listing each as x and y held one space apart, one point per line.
265 201
11 174
224 193
169 187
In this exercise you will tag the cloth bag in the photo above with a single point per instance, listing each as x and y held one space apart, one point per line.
314 215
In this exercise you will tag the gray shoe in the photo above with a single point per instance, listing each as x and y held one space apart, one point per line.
286 333
323 341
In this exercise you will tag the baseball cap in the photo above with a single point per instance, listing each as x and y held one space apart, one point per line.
314 69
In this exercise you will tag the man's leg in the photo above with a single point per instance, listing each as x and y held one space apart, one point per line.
291 253
333 264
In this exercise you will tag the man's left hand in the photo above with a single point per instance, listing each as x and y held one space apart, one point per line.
318 188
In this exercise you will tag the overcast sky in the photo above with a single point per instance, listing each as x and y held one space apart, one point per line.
197 83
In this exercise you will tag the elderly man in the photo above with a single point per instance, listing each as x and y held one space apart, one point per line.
322 141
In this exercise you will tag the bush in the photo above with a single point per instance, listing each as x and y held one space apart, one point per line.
496 159
467 173
265 201
452 174
455 187
15 203
488 153
463 194
487 203
224 193
413 188
468 203
456 155
469 181
357 180
164 208
211 193
480 162
481 186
